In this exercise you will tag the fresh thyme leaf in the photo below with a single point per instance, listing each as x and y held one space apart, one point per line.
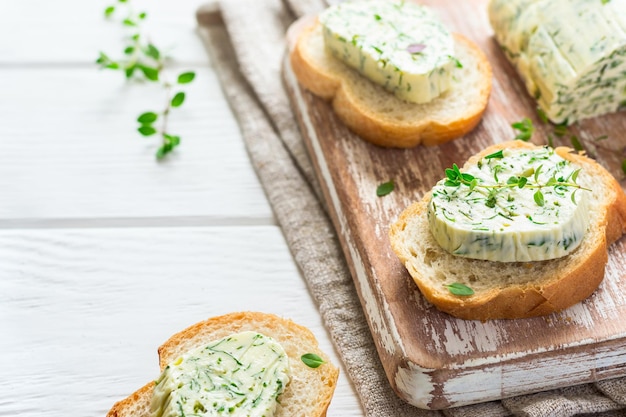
143 59
173 140
542 115
573 196
151 73
147 118
178 99
467 178
186 77
605 1
130 70
495 155
525 129
385 188
153 52
560 130
460 289
312 360
522 182
624 166
164 150
537 171
457 63
146 130
576 143
538 197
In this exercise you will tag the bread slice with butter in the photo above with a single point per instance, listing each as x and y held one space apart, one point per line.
308 392
509 290
375 113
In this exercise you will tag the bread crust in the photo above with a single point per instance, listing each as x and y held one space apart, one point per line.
318 385
579 273
326 77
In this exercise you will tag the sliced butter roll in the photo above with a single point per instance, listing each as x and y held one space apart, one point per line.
516 205
571 54
239 375
399 45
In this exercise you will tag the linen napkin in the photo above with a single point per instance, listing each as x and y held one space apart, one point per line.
246 41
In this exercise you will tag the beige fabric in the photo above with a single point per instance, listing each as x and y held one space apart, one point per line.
246 41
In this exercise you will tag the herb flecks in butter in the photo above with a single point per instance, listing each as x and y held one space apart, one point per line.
571 55
239 375
514 205
399 45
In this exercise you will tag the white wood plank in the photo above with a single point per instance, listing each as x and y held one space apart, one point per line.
82 312
74 31
70 152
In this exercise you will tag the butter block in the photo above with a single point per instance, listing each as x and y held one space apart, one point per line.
399 45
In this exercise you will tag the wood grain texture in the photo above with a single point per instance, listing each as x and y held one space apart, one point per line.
82 312
71 152
434 360
72 32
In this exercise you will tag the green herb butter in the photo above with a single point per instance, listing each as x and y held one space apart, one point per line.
570 53
516 205
398 45
240 375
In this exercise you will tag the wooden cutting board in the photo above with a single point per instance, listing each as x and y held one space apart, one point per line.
433 360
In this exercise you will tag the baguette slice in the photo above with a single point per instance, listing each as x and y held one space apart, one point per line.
515 289
308 393
375 114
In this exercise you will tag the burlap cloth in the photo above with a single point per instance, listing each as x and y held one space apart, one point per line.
246 40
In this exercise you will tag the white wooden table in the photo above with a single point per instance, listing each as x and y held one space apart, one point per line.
104 253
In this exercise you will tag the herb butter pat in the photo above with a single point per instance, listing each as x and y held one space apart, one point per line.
239 375
570 53
396 44
512 206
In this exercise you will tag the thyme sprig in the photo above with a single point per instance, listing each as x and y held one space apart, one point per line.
143 61
456 178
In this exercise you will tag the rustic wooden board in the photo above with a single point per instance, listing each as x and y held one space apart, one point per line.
433 360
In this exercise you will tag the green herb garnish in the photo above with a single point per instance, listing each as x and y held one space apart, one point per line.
143 61
460 289
385 188
560 130
457 63
542 115
495 155
456 178
525 129
312 360
576 143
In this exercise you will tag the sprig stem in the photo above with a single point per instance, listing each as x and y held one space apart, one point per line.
456 178
144 61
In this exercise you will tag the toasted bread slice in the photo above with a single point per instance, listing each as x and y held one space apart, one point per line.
308 393
514 289
378 116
